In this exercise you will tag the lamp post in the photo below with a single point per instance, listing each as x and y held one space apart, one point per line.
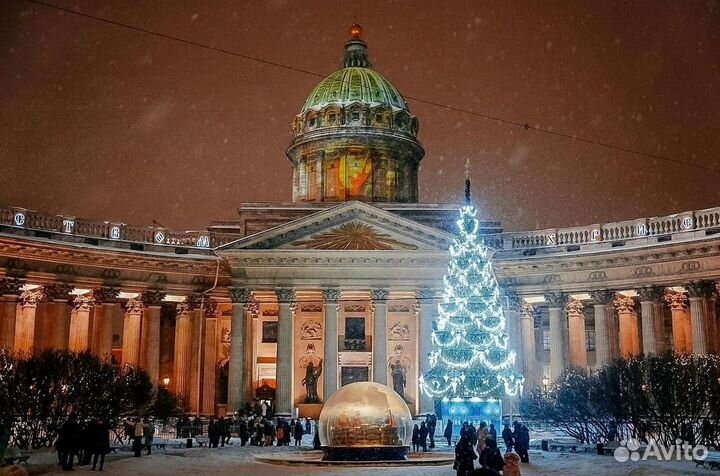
166 382
546 383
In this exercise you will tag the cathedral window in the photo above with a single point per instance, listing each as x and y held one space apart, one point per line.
355 116
331 118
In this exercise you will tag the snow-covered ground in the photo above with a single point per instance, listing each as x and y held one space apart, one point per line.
238 461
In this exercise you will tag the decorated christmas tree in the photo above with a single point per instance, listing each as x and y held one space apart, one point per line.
470 357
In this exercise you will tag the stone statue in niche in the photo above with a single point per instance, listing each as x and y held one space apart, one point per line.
225 335
310 381
399 331
399 377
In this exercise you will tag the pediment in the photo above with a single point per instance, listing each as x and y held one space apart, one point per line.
348 226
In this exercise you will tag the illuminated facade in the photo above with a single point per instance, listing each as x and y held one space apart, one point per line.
295 300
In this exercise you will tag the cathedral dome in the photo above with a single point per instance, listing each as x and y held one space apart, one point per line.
355 138
354 85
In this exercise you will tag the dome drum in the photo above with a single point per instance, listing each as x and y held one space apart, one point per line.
347 169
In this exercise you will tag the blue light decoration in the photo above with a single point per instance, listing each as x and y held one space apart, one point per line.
470 361
471 410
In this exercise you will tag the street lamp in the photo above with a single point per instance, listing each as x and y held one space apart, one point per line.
166 382
546 383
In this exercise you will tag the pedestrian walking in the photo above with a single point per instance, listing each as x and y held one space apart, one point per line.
423 436
491 457
100 437
416 438
448 432
148 435
481 436
298 433
464 456
68 441
507 436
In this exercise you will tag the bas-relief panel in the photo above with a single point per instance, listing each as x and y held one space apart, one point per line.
402 351
353 236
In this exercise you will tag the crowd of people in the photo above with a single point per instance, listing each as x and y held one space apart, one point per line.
85 441
482 444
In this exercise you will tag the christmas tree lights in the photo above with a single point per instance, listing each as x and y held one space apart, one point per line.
470 358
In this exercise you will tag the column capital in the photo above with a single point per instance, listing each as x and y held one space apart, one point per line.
153 297
527 311
58 291
603 296
676 301
624 304
183 310
285 295
379 294
425 295
575 308
700 289
105 294
193 301
84 302
514 301
556 299
134 307
240 295
211 310
331 295
11 286
650 293
31 297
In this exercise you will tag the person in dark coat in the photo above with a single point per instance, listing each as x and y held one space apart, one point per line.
423 436
521 436
308 426
69 441
243 431
491 457
464 456
492 432
100 437
448 431
416 438
298 434
316 437
507 436
431 421
213 434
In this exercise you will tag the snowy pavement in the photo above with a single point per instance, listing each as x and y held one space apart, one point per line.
239 461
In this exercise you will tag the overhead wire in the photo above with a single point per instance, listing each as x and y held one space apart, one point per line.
491 117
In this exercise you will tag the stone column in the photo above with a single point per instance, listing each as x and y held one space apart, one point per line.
380 360
652 340
25 320
512 328
577 341
131 332
58 295
209 360
699 292
238 379
150 334
103 313
530 368
682 334
181 364
628 330
426 303
9 296
197 305
602 309
79 340
331 299
556 303
284 372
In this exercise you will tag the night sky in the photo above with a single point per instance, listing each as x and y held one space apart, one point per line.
99 121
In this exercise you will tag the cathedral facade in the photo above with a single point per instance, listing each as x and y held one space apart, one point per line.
291 301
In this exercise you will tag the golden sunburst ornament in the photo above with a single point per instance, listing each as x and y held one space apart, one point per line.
353 236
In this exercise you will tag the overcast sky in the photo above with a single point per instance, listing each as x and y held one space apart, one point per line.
100 121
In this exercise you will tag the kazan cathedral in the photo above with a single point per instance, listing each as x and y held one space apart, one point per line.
342 284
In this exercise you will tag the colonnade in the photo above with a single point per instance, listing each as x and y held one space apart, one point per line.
626 324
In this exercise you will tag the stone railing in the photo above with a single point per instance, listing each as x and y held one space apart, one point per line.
570 239
22 219
613 234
